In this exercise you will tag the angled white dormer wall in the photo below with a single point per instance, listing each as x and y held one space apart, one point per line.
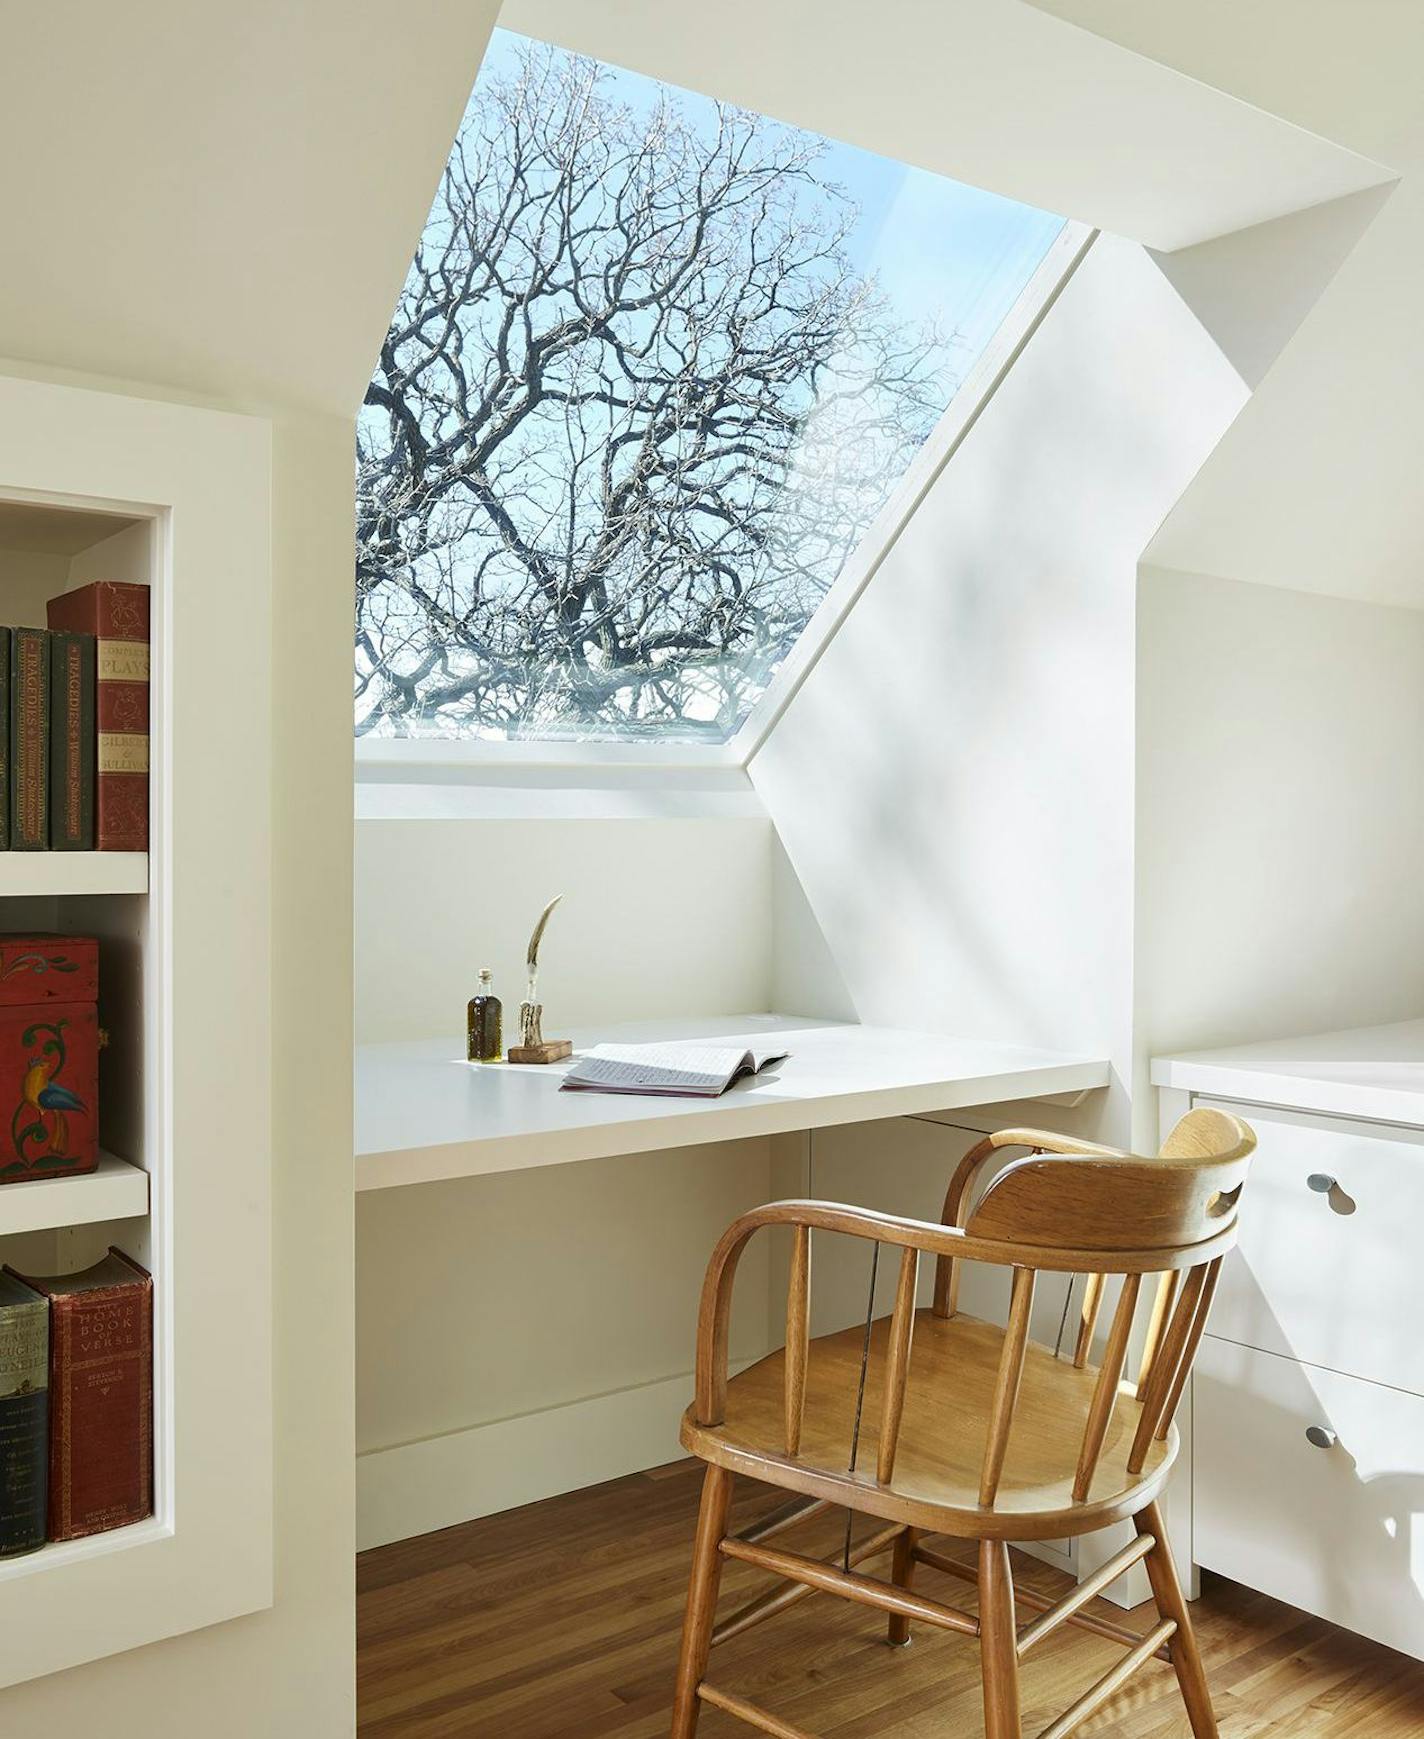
953 784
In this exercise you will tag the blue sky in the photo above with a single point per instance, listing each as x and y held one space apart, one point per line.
939 248
944 253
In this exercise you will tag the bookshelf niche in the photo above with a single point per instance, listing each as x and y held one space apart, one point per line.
60 1225
103 486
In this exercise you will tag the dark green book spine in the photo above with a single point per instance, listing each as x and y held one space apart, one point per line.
71 741
29 739
24 1417
4 739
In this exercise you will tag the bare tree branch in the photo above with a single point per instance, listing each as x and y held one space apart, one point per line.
632 413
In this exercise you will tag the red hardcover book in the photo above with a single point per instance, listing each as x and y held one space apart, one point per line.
100 1396
116 614
49 1056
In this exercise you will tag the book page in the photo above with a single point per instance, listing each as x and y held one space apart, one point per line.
696 1069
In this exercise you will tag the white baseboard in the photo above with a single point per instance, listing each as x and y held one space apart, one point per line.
440 1481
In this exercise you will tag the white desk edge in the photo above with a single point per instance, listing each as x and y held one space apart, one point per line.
423 1115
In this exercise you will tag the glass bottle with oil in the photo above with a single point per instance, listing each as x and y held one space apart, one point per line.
484 1023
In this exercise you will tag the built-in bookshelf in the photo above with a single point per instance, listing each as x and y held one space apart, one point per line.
62 1224
98 486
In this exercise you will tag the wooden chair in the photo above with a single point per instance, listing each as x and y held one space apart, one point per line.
934 1422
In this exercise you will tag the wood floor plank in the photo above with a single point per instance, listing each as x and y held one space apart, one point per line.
560 1621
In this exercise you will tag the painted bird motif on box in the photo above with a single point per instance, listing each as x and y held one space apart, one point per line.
40 1125
47 1095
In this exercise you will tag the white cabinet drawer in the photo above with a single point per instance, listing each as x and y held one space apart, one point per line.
1336 1279
1333 1530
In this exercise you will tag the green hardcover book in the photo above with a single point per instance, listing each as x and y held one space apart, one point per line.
4 739
71 741
24 1416
29 739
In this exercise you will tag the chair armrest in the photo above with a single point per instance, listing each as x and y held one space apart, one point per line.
714 1314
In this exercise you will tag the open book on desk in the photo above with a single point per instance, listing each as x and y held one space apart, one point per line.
682 1070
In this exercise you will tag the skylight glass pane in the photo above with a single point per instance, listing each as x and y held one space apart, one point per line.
657 366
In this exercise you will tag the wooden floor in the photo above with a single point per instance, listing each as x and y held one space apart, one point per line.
561 1619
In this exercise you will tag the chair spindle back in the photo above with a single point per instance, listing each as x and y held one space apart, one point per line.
1070 1207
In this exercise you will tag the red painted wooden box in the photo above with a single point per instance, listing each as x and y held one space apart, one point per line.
49 1056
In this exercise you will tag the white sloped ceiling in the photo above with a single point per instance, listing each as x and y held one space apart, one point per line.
989 91
224 199
1316 487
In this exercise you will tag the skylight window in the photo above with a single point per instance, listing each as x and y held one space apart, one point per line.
657 366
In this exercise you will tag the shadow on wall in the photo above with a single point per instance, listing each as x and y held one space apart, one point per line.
805 978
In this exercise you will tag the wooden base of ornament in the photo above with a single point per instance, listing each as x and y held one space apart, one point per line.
550 1051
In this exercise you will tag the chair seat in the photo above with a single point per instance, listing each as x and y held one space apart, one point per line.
954 1364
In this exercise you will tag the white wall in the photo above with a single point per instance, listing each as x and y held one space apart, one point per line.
1280 825
29 580
525 1334
528 1299
953 784
805 978
660 916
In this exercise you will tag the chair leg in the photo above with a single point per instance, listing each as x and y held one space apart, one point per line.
1186 1656
998 1642
902 1574
701 1601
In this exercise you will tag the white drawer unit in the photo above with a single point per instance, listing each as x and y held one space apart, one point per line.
1329 1266
1303 1473
1310 1485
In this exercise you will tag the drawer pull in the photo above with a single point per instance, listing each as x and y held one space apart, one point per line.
1321 1436
1329 1187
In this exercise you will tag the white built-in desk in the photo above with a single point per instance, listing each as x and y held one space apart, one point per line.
423 1113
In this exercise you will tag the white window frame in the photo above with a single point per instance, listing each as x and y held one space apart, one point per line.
415 760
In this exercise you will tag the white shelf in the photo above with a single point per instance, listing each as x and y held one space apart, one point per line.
116 1191
73 872
61 1553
